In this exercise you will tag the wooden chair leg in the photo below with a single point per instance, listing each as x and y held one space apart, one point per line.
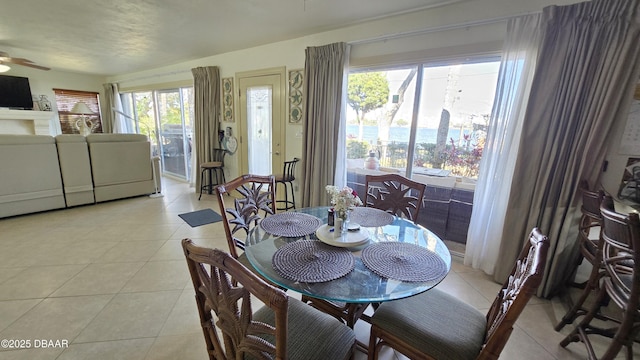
293 196
581 331
201 183
372 352
577 308
288 204
286 197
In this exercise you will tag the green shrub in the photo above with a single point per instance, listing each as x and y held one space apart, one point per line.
357 149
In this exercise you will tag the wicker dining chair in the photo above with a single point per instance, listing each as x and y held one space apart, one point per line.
621 284
254 198
235 327
395 194
437 325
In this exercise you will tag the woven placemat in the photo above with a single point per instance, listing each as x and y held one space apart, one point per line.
404 262
290 224
370 217
312 261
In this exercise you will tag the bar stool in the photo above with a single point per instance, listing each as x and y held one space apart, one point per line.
589 247
621 283
215 166
286 178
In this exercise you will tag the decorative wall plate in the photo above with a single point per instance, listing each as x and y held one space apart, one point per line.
227 99
296 98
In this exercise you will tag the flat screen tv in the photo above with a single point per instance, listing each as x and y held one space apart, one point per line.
15 93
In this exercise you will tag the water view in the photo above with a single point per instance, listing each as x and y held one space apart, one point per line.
401 134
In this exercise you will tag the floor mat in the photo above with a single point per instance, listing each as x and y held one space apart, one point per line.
201 217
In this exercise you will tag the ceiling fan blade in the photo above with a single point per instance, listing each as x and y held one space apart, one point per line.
37 66
23 62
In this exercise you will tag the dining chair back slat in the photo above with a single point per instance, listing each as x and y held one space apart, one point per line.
395 194
213 273
516 292
437 325
239 330
254 199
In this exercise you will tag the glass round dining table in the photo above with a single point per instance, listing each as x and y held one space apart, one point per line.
360 285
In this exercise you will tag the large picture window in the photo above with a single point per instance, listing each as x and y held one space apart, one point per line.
427 122
445 131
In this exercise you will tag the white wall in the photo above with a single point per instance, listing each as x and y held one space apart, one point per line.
468 27
43 83
617 161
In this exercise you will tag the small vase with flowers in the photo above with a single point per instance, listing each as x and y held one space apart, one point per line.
343 201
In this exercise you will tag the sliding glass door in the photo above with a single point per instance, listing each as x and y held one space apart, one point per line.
174 125
166 117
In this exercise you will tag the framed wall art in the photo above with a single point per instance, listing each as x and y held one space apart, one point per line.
296 78
227 99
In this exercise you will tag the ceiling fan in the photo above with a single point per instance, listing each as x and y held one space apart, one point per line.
6 59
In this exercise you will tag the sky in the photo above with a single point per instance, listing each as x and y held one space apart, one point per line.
470 88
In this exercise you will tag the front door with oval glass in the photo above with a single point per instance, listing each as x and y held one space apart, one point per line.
261 123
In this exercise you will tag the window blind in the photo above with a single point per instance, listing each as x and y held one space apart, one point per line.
66 99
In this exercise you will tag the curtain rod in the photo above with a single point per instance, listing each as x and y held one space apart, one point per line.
154 75
439 28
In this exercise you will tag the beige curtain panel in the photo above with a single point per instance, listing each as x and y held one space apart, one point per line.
107 112
206 90
587 68
324 73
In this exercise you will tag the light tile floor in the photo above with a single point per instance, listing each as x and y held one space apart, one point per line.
111 280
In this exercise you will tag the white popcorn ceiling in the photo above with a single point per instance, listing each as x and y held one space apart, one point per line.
109 37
